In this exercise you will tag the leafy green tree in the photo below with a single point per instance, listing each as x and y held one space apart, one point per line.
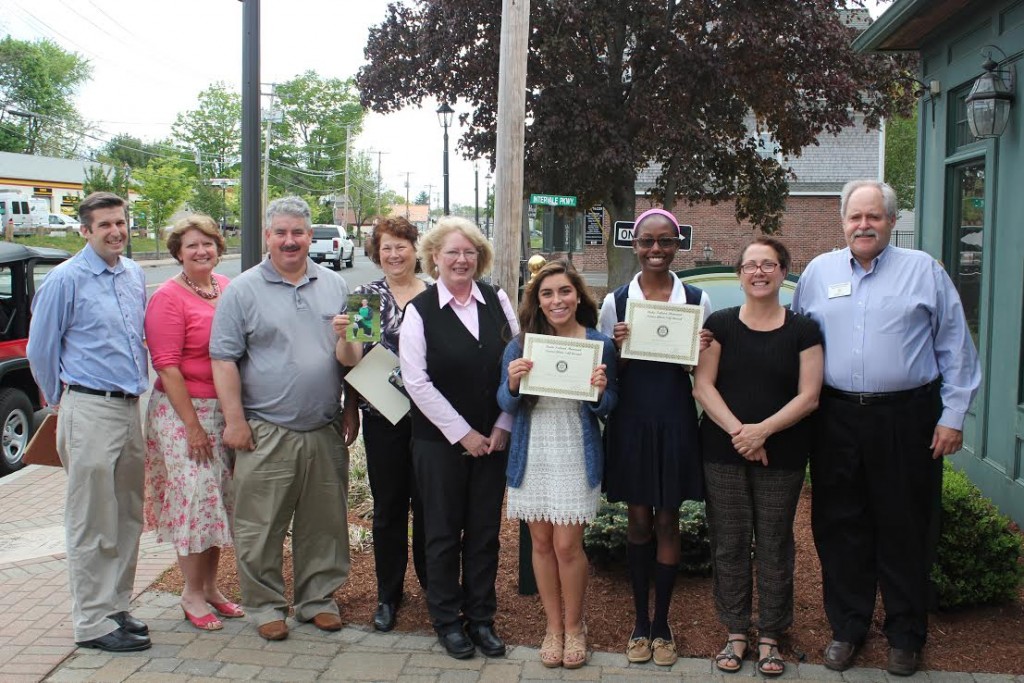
127 149
39 80
165 185
901 157
212 132
613 85
308 153
100 179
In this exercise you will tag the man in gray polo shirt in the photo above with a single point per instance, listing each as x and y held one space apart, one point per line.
279 385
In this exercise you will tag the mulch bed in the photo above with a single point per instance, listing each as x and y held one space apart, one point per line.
983 639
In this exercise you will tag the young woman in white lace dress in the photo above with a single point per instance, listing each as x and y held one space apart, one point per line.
556 460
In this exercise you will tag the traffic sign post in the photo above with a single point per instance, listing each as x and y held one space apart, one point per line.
623 232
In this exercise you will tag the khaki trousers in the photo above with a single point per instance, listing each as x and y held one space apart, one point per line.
100 444
300 475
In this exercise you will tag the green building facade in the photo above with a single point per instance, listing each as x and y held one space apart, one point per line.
970 210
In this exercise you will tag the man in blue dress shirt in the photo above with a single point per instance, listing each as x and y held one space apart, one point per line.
901 370
86 353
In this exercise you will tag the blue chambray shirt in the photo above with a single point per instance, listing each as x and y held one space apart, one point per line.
87 327
901 326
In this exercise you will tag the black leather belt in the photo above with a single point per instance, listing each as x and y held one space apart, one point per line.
100 392
880 398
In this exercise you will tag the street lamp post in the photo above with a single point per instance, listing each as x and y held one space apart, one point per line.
476 195
444 117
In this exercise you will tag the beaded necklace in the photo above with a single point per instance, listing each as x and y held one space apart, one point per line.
198 290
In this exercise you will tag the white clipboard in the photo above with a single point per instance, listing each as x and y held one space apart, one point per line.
370 378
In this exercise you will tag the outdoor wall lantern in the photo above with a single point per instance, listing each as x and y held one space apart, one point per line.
989 102
708 251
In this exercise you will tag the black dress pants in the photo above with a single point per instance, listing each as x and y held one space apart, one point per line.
393 484
876 496
462 498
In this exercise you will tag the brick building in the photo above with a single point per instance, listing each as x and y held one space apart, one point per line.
810 225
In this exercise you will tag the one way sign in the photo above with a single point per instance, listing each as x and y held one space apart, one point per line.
624 235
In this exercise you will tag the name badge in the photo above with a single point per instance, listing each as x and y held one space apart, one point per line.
840 289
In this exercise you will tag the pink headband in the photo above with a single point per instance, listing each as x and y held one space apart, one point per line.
656 212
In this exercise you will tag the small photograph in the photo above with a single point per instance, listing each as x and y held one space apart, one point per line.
363 318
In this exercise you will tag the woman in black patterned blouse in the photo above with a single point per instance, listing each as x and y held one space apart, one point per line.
392 246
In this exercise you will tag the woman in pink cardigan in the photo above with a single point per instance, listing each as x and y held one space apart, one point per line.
188 474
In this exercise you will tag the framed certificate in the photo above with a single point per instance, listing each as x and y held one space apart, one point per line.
562 366
664 332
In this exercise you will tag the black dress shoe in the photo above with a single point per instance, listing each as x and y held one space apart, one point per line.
839 655
117 641
385 616
484 637
902 662
456 644
130 623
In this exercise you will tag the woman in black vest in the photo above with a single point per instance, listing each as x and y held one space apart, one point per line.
453 336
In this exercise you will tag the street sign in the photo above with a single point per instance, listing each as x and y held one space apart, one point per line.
624 235
552 200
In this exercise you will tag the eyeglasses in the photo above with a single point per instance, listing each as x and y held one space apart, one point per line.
663 242
454 254
749 268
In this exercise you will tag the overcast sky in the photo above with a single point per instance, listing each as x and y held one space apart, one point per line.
151 58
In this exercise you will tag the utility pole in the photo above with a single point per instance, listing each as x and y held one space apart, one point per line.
508 184
378 183
430 196
344 215
272 116
407 195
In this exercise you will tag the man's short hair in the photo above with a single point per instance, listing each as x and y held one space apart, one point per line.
892 205
289 206
99 200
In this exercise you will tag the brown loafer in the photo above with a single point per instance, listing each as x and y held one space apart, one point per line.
273 630
839 655
902 662
327 621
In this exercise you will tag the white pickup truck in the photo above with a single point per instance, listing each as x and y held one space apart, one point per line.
331 243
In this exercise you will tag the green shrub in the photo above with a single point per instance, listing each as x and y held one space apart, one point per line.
979 555
605 538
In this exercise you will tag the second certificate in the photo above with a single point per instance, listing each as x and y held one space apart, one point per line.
562 366
660 331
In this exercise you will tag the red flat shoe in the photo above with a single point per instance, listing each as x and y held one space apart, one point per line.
207 622
228 609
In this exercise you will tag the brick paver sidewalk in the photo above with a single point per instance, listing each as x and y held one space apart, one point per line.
36 641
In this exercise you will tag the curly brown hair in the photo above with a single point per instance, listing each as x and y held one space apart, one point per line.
197 221
531 317
396 226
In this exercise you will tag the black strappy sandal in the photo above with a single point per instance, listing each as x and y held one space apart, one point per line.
727 660
771 658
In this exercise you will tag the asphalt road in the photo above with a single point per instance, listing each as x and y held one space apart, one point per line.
362 271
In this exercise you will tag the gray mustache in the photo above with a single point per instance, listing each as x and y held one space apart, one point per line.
865 233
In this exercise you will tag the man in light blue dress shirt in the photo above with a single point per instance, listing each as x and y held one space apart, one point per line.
901 370
86 353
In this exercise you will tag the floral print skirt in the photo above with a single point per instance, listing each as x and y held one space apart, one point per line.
187 503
